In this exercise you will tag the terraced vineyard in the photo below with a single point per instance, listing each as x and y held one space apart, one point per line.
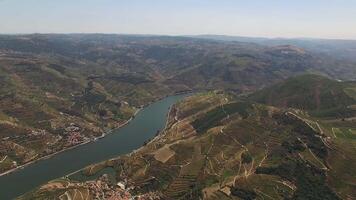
247 150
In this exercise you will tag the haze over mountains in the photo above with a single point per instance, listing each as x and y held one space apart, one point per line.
342 49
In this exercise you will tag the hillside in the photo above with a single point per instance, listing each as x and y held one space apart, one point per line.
318 94
61 90
175 61
219 147
48 104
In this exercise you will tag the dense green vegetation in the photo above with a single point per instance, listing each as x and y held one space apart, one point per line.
213 117
321 96
310 181
243 194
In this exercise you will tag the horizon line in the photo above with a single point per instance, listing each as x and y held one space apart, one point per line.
182 35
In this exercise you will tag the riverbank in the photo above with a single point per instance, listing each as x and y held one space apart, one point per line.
122 141
72 147
157 136
20 167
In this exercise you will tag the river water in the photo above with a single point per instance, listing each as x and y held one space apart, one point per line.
123 140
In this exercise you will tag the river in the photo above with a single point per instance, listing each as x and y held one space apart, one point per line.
121 141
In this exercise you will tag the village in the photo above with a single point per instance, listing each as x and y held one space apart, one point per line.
101 188
15 150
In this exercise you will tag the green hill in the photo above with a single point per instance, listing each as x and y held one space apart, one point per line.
320 95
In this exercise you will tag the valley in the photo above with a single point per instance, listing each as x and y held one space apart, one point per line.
220 146
265 121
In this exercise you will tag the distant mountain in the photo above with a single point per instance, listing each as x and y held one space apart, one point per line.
341 49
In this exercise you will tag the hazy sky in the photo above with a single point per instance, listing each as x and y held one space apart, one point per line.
270 18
